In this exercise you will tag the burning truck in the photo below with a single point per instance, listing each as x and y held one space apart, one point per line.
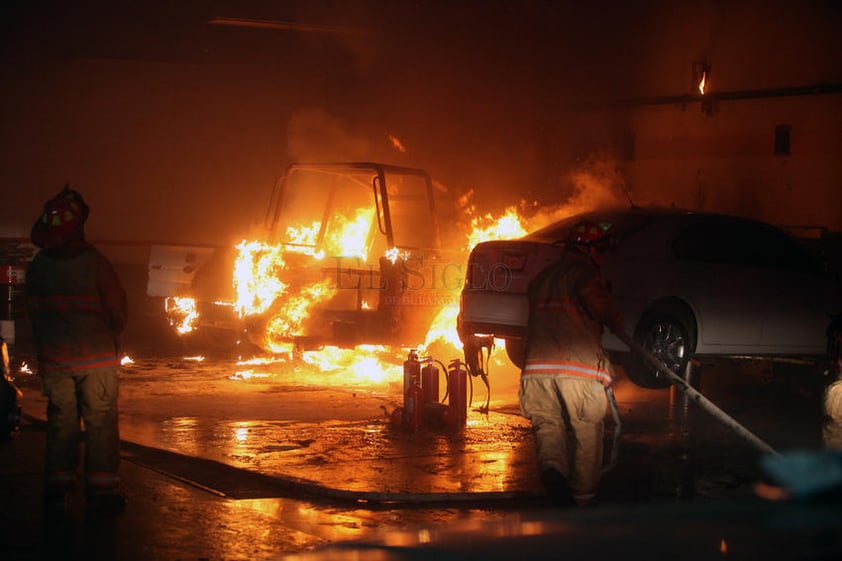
349 254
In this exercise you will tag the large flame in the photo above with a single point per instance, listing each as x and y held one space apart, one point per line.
483 228
295 310
363 366
258 270
265 284
182 313
487 227
351 237
303 239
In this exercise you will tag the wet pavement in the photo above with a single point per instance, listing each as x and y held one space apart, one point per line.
224 460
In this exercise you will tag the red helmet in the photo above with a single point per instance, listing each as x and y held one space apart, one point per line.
62 218
591 234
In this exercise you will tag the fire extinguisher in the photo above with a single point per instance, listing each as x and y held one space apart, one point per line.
457 380
430 382
413 395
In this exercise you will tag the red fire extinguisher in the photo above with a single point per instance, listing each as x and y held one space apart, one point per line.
430 382
457 379
413 395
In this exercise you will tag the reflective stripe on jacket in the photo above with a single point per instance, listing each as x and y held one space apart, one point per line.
77 307
563 368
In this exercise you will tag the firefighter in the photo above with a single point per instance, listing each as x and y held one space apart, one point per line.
832 426
566 374
78 310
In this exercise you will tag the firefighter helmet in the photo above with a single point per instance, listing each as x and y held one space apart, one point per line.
591 234
61 219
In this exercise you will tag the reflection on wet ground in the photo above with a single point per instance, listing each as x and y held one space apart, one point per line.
169 520
327 429
310 457
332 429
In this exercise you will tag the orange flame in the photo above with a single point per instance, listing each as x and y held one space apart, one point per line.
264 284
182 313
258 269
295 311
302 240
484 228
703 83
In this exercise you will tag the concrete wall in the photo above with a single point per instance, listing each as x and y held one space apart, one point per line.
719 154
726 160
186 149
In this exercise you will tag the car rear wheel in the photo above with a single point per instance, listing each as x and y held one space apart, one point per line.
667 338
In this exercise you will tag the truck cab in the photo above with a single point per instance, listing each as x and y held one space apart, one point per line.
347 255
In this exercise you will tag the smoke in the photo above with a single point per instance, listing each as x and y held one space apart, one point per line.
314 135
596 183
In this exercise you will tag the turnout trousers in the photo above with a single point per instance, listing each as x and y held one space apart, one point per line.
567 415
88 397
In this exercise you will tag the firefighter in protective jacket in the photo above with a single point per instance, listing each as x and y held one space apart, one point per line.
566 373
77 306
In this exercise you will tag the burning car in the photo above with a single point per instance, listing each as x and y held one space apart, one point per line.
348 255
688 283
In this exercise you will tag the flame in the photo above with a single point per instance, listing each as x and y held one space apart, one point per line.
258 270
182 313
303 238
483 228
247 375
351 239
126 360
393 254
443 328
703 83
266 285
296 309
487 227
364 365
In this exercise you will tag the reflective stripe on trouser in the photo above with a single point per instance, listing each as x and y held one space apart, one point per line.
550 402
94 396
61 480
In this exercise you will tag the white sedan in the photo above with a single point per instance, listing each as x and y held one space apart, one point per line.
688 283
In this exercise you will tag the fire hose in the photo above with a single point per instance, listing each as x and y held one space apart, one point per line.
697 396
618 431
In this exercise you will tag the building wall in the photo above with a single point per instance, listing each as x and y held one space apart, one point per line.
725 160
762 56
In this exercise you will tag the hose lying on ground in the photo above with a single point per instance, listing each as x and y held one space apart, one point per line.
697 396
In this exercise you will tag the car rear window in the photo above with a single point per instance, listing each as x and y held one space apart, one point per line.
623 225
